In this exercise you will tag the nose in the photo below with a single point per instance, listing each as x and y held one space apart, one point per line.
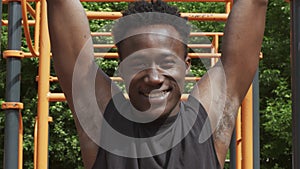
154 77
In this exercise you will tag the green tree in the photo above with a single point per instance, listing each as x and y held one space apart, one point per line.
275 89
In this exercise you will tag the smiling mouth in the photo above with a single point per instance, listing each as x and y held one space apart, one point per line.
156 94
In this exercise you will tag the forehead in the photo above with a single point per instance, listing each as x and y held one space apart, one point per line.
162 37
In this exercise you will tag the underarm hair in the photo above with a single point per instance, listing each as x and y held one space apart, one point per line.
226 122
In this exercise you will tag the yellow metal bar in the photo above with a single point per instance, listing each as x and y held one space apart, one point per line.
239 140
247 130
20 158
43 89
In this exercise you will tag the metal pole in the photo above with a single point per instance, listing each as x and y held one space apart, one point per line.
295 63
43 91
256 148
0 22
233 150
13 85
239 141
247 130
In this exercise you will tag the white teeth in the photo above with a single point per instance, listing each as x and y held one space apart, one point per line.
155 94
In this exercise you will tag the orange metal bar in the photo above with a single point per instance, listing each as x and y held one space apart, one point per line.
204 55
5 1
13 53
149 0
20 155
191 55
247 130
43 83
190 16
26 28
35 143
206 16
189 45
5 22
215 49
56 97
31 10
12 105
191 34
37 26
206 33
55 79
228 6
60 97
115 55
239 142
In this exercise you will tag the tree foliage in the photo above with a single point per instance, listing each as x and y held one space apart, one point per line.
275 89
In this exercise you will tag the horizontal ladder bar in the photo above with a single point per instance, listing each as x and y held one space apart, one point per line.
119 79
190 16
192 34
6 1
60 97
115 55
189 45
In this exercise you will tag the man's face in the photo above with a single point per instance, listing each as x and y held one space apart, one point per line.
153 67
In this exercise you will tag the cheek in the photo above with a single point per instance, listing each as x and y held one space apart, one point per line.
178 78
131 81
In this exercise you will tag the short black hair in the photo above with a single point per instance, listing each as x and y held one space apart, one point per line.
143 13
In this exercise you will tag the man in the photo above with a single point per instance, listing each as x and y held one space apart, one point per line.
154 129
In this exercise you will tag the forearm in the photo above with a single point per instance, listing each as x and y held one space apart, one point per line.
67 21
69 31
241 46
242 43
244 29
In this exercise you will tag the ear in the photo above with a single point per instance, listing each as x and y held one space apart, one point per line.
188 65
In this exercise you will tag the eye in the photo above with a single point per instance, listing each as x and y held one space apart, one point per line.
140 66
167 64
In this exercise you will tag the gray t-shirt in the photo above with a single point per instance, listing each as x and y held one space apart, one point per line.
190 152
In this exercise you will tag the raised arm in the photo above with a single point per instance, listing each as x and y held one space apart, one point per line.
71 44
223 88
